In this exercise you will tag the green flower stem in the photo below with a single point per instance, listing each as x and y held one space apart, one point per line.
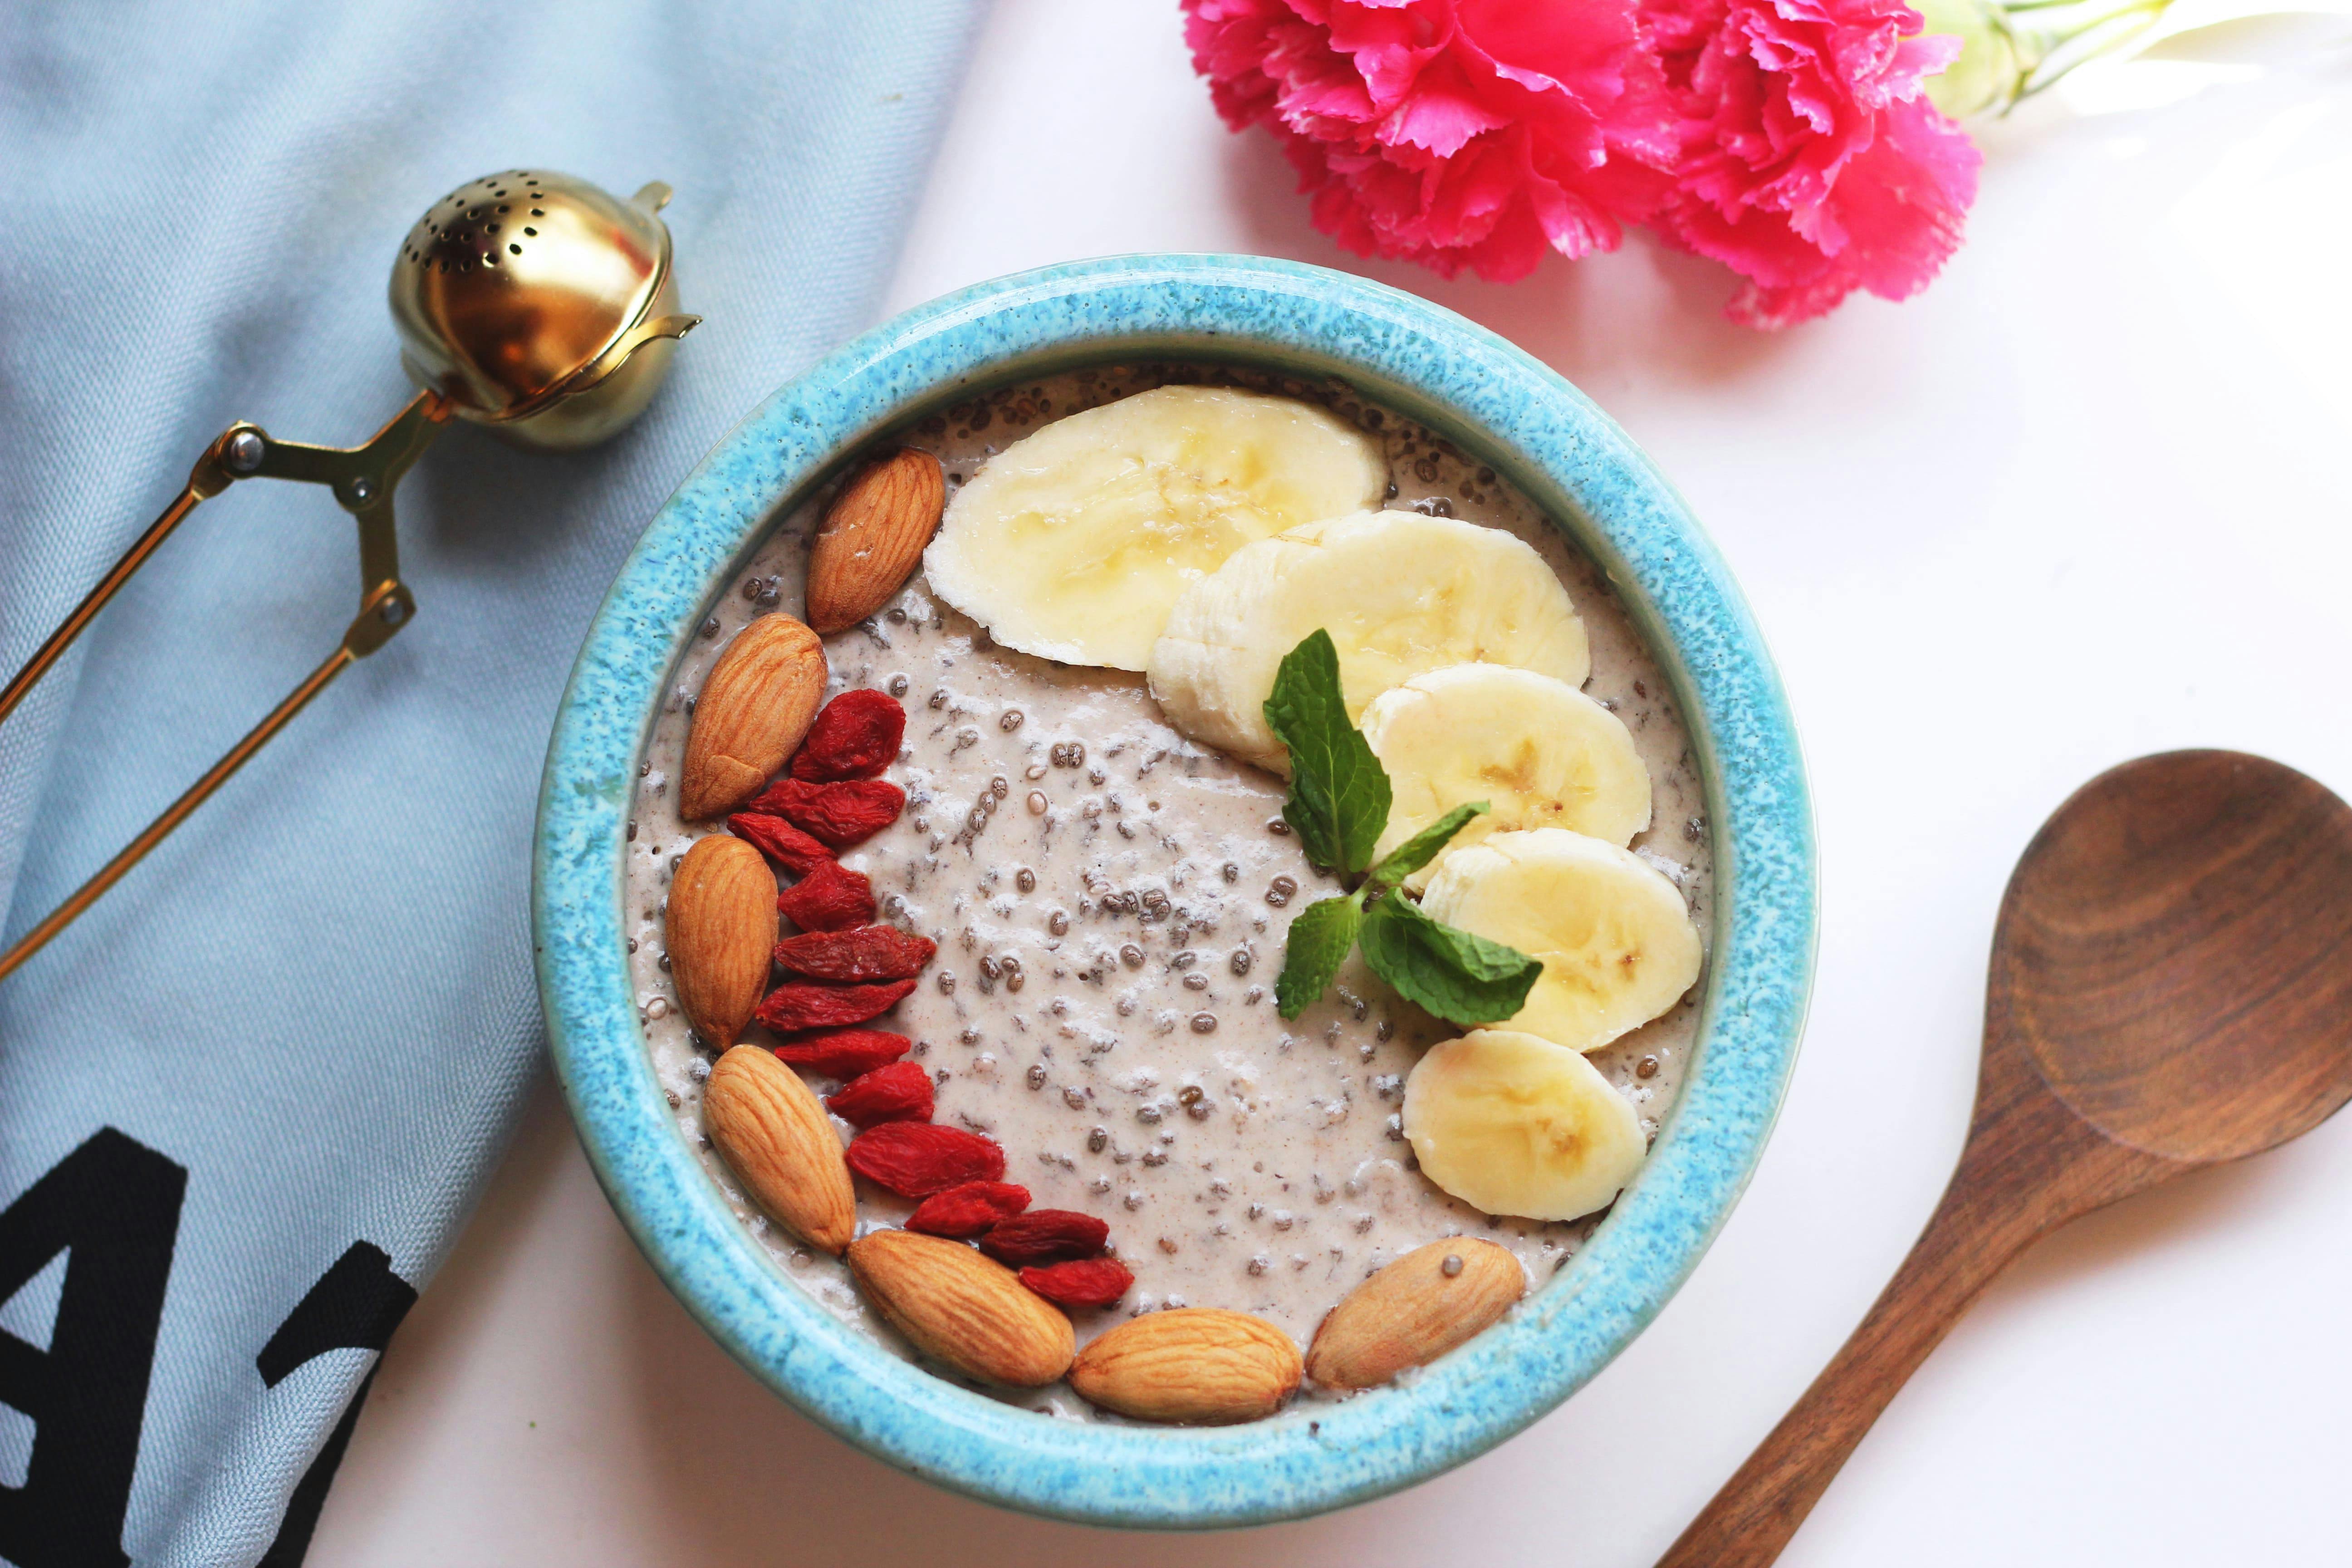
2009 52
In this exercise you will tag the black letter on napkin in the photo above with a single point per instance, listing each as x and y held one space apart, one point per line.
115 1203
355 1305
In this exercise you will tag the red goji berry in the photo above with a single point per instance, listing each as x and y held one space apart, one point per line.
1081 1282
840 814
964 1212
863 953
854 737
916 1159
780 841
831 898
899 1092
803 1005
845 1053
1046 1235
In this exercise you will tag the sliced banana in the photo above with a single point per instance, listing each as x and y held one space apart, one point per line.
1402 594
1539 752
1614 938
1513 1124
1074 542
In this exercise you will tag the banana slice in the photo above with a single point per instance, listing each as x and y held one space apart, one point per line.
1615 940
1074 542
1400 594
1538 751
1513 1124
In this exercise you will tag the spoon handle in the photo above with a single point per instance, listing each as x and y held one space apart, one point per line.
2027 1168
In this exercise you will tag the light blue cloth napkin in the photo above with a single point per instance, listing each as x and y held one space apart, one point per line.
246 1103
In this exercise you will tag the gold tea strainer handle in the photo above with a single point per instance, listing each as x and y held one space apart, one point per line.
531 302
363 479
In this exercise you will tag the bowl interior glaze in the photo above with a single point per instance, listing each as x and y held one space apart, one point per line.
1568 458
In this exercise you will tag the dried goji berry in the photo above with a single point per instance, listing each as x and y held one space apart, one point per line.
1082 1282
840 814
863 953
780 841
1046 1235
845 1053
916 1159
899 1092
855 737
964 1212
831 898
805 1005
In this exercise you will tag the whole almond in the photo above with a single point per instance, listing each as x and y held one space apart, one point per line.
959 1308
721 931
1194 1364
774 1135
871 538
756 703
1414 1310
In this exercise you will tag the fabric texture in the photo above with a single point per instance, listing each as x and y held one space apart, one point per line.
247 1099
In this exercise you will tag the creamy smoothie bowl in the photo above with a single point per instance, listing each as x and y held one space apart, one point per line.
1174 891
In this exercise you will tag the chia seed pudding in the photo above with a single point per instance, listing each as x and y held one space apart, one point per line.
1110 901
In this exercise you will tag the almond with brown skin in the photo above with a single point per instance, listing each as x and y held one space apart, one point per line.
962 1308
1195 1364
774 1135
872 536
756 703
1414 1310
721 929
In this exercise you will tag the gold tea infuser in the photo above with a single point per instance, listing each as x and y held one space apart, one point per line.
529 301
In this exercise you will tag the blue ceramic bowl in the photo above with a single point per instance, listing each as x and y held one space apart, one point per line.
1494 401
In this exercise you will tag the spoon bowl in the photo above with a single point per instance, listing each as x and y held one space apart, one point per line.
2172 954
2170 990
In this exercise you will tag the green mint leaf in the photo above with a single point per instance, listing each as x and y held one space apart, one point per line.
1422 848
1339 792
1318 944
1462 978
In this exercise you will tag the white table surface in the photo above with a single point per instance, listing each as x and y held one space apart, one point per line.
2087 499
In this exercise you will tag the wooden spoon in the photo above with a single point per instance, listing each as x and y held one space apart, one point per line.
2171 988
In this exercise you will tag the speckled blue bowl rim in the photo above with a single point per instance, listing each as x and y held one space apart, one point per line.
1571 459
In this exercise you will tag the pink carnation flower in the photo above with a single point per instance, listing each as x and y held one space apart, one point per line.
1787 139
1453 133
1810 160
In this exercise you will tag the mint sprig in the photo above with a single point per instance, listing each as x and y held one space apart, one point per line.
1339 806
1339 792
1318 944
1455 973
1422 848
